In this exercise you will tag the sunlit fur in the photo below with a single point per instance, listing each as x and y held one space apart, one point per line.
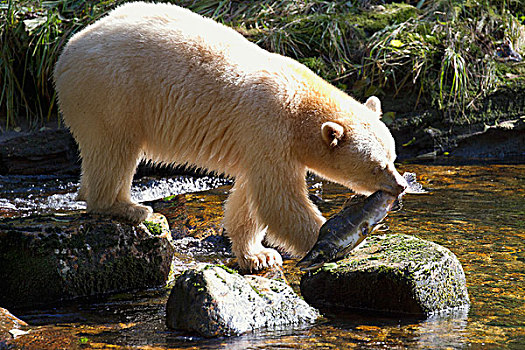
158 82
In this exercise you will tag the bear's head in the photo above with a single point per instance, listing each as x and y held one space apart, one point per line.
355 148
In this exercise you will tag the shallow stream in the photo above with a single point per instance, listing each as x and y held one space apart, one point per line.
478 212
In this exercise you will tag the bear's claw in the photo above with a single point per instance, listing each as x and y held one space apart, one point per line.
261 259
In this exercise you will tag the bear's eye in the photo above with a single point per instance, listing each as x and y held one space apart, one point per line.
378 169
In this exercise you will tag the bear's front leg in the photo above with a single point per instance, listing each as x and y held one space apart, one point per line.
282 205
245 233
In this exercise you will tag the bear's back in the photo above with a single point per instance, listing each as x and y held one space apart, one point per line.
161 30
185 88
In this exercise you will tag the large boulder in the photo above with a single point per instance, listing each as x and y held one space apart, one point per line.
47 258
395 273
216 301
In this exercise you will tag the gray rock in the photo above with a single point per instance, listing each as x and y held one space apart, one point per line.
47 258
190 252
44 152
397 274
216 301
505 140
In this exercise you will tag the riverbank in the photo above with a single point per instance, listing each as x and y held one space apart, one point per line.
493 133
496 135
420 57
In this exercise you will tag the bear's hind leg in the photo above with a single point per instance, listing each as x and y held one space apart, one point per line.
107 173
82 191
246 234
124 206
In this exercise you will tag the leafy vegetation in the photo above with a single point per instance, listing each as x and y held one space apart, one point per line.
31 36
442 53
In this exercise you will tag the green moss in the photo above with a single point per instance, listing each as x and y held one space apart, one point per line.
390 250
374 21
329 266
259 293
154 228
316 64
227 269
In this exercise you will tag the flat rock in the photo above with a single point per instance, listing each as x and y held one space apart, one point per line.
216 301
47 258
396 273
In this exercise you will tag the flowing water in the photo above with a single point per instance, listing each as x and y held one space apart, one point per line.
478 212
42 194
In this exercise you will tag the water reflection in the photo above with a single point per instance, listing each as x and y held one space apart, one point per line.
475 211
446 329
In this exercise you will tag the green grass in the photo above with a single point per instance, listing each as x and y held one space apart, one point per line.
31 36
440 52
446 54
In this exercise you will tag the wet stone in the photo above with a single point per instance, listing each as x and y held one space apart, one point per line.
44 152
216 301
397 274
197 214
10 327
190 252
46 258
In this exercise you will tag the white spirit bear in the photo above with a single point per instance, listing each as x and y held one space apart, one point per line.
158 82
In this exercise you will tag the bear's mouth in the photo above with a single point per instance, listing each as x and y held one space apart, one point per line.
360 187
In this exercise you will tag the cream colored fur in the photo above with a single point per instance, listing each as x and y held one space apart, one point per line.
156 81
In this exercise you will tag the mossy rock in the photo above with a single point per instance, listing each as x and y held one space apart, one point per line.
215 301
397 274
47 258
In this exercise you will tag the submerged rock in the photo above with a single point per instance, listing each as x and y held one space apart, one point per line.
197 214
48 258
216 301
397 274
10 327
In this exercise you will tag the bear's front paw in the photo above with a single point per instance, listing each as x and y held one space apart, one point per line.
261 259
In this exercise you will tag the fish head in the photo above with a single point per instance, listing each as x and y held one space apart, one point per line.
317 257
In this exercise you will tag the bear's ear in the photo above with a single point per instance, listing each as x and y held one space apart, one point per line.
373 104
332 133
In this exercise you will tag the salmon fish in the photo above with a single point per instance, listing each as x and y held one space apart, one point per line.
359 217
